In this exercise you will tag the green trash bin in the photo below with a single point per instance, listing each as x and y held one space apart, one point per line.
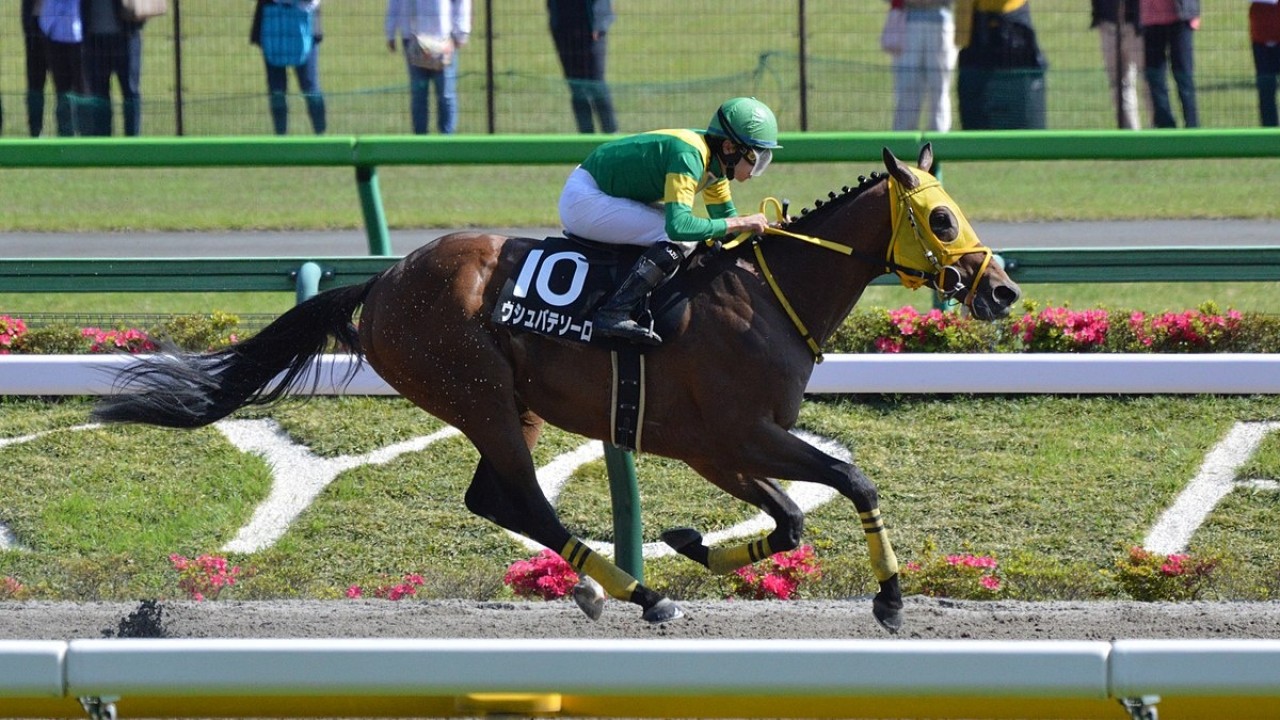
1002 71
1002 98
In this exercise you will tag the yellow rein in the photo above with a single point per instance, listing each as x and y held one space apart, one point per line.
766 205
772 203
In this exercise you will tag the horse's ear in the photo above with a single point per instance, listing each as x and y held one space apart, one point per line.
926 158
899 171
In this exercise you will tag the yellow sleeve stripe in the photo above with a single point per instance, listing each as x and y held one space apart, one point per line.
679 189
718 192
694 140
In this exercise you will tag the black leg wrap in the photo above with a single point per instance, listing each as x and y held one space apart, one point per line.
887 605
687 542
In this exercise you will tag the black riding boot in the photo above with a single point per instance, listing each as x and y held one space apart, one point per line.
654 267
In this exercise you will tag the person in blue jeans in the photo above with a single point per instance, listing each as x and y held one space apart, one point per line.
308 74
112 46
445 20
1168 28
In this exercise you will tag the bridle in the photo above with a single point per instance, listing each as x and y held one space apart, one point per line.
915 254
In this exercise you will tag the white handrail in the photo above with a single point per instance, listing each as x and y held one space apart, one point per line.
923 373
685 678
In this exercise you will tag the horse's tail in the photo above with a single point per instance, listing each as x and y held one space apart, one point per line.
186 390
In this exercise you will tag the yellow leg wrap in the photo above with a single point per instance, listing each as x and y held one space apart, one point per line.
583 559
723 561
884 564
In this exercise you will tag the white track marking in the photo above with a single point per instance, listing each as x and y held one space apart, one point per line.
297 475
36 436
1216 478
7 539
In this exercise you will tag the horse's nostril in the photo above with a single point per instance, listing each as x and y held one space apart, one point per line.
1005 295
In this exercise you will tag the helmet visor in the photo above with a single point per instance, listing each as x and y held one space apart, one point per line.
759 159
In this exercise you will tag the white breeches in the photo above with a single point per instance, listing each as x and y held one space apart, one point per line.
586 211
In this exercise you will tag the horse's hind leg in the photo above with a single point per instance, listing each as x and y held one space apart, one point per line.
765 494
485 496
505 490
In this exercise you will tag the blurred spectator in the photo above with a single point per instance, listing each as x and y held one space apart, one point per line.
1121 57
446 26
60 22
1001 67
112 46
307 73
580 29
1264 34
1167 28
33 41
922 70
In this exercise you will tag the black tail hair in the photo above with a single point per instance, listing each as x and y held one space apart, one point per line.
187 390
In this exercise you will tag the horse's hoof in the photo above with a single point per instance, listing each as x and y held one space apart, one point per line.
890 618
663 611
680 538
887 605
589 596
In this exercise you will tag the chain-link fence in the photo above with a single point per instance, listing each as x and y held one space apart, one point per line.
818 63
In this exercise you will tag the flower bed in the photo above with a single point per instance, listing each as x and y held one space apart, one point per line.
1206 329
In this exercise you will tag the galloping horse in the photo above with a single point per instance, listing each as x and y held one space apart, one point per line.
729 379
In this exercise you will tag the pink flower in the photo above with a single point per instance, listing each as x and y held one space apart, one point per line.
989 582
354 592
973 561
204 577
778 576
778 586
131 340
545 575
10 587
886 345
11 329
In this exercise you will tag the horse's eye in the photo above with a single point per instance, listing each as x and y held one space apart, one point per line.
943 224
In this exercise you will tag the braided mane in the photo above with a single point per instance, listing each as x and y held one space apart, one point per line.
847 194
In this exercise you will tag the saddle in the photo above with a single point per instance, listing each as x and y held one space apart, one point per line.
556 288
560 281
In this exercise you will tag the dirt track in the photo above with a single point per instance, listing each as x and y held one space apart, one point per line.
925 619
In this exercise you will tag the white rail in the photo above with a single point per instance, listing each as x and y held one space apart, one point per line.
635 678
1224 374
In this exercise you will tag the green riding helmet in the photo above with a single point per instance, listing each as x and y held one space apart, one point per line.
746 121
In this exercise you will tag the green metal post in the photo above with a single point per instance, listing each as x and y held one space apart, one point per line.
375 220
625 493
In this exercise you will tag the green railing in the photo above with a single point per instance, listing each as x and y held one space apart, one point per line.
307 275
365 154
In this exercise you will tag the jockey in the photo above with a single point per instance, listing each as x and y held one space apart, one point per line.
639 190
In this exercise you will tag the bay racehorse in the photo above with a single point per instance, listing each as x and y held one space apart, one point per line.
723 390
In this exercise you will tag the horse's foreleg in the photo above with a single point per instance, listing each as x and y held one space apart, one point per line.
783 455
853 484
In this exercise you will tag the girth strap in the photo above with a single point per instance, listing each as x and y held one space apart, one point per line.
626 412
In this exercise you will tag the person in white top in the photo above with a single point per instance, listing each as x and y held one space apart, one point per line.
443 26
